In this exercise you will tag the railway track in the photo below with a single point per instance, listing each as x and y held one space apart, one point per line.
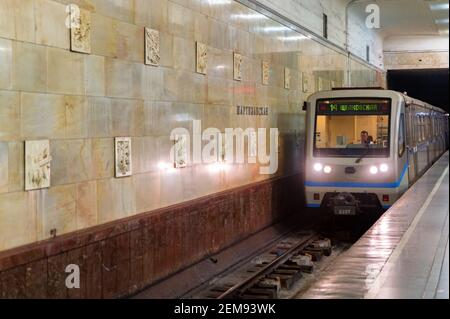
279 268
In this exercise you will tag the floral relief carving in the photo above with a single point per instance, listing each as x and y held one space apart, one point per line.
287 78
80 32
123 157
37 164
237 67
202 58
265 73
152 47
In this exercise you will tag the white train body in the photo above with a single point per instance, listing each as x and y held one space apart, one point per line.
350 176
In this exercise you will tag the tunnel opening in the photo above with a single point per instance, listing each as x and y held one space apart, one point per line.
428 85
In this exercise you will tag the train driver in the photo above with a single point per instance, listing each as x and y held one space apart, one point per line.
365 138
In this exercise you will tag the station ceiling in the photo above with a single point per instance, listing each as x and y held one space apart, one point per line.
409 17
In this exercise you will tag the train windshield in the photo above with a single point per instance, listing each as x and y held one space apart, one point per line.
352 128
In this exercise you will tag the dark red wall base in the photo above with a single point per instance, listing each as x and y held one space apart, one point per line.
123 257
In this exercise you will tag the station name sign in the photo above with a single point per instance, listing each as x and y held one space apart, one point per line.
252 110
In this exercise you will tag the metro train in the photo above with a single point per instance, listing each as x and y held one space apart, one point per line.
366 147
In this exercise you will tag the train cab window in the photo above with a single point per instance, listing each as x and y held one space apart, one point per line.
401 136
352 128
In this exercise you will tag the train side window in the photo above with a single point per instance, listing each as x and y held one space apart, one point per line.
401 136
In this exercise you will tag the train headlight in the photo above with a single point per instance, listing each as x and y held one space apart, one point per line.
318 167
327 169
384 168
374 170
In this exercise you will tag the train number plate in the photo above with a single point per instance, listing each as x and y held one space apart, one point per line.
345 211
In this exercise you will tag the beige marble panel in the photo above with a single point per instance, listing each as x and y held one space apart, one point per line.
29 67
123 79
130 42
65 72
115 199
152 13
86 205
51 26
56 210
5 63
43 116
17 20
147 192
4 167
77 114
180 21
72 161
18 220
183 54
118 9
220 91
80 32
167 47
125 116
104 36
9 116
7 22
102 158
25 20
94 75
16 166
100 117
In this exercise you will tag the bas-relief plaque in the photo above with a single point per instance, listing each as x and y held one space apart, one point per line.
123 161
201 57
305 83
237 67
265 73
180 151
37 164
80 32
152 47
287 78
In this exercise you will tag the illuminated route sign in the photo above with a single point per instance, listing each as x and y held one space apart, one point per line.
353 107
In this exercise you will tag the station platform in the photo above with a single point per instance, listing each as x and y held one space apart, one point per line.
404 255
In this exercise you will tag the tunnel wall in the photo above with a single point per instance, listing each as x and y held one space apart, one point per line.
81 102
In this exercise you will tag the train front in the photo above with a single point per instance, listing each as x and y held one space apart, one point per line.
351 165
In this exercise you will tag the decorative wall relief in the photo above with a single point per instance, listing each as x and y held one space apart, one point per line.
305 83
319 84
202 58
181 152
237 67
37 164
124 165
265 73
152 47
80 32
287 78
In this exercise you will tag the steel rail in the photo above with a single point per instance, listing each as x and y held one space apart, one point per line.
245 284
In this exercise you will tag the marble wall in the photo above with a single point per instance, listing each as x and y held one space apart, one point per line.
82 102
416 60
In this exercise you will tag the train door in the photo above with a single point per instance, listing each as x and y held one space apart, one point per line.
411 132
402 150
